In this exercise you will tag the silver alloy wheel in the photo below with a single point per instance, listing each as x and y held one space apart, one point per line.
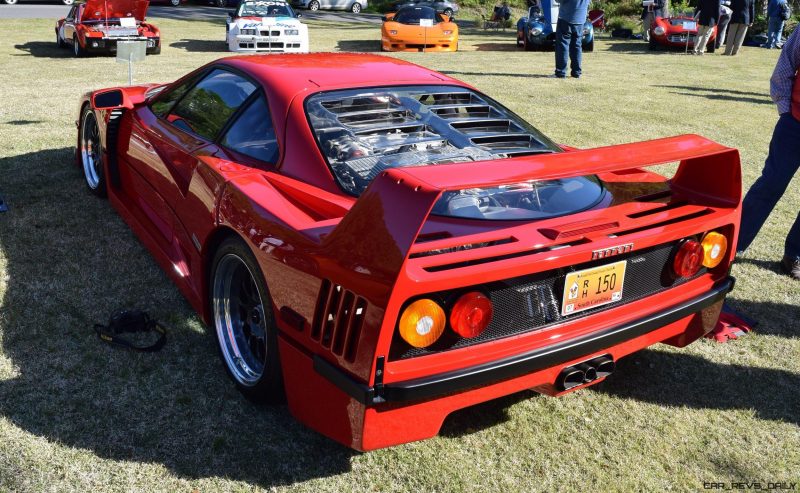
356 8
68 2
239 319
11 2
313 5
91 151
174 3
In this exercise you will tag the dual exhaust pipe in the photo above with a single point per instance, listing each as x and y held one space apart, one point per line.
586 372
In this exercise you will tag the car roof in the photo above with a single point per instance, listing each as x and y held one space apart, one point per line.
290 74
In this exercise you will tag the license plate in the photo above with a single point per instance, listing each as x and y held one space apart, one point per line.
593 287
689 25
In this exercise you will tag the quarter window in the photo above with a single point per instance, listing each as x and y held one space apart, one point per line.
207 106
252 133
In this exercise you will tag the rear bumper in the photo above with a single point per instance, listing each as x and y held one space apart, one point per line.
367 418
539 359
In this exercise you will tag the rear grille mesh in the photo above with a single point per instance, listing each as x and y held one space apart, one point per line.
533 302
338 320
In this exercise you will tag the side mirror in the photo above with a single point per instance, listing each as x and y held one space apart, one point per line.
108 99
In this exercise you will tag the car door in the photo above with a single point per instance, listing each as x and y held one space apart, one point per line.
68 27
171 138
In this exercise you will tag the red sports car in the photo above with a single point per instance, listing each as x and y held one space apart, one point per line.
677 32
386 244
95 26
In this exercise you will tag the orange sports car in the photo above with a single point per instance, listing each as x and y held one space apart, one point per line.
418 29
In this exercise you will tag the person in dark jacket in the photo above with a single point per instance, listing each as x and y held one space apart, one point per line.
707 19
649 14
744 12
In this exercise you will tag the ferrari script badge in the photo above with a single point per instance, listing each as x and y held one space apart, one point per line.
612 251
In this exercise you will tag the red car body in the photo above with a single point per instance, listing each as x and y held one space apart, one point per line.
672 32
341 269
95 26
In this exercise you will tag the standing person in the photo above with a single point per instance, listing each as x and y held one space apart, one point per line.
722 26
776 10
744 12
569 32
709 17
782 161
649 14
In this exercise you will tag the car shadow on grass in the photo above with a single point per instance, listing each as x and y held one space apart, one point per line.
495 74
200 45
43 49
685 380
636 47
482 416
507 46
359 45
70 262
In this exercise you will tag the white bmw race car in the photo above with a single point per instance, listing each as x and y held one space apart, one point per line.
266 26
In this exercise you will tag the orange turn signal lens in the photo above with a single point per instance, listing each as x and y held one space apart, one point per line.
715 245
422 323
471 314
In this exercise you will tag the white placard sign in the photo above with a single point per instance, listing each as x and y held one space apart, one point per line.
127 22
426 22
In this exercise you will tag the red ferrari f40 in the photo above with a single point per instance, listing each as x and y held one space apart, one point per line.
382 244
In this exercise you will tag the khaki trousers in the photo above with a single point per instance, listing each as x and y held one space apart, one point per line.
736 34
700 42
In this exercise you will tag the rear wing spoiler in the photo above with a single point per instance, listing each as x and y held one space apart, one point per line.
380 229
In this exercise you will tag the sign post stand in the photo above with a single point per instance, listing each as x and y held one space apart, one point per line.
129 52
425 24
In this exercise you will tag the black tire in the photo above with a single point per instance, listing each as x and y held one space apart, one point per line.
77 50
652 45
156 50
355 8
220 3
448 12
231 291
589 46
91 154
527 45
313 5
60 42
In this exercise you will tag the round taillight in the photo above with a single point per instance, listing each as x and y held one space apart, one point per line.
688 259
422 323
471 314
715 245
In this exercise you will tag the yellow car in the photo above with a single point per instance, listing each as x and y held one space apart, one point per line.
418 29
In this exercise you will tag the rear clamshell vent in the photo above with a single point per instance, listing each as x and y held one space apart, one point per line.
338 320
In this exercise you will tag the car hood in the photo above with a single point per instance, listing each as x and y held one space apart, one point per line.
109 9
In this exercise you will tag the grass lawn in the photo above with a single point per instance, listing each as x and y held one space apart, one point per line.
77 415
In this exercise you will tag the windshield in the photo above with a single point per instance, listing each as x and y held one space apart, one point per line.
690 23
265 9
362 132
412 15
